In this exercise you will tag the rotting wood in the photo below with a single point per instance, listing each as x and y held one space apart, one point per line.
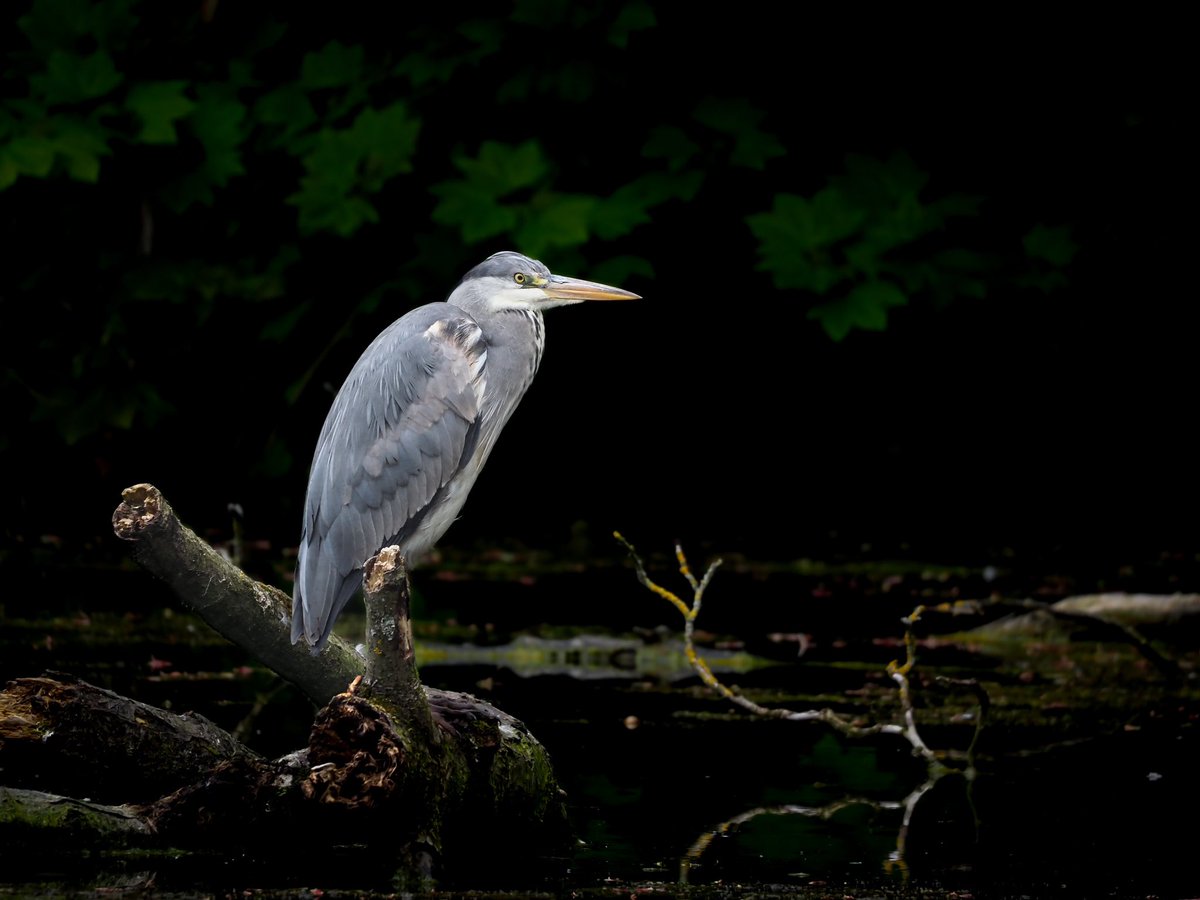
430 773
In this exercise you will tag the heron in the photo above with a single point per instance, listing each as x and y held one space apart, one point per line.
412 426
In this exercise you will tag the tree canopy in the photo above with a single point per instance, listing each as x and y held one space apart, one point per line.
937 258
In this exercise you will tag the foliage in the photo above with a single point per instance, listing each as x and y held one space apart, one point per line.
863 242
188 188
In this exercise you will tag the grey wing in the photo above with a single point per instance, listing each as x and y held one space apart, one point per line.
402 426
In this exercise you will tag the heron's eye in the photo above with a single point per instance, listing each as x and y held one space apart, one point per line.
520 278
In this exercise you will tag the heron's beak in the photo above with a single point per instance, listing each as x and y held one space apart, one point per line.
561 288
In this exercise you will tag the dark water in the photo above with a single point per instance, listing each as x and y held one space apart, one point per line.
1077 793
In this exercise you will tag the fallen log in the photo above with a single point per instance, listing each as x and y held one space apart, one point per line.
428 775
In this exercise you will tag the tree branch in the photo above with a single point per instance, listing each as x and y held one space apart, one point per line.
391 676
441 764
252 615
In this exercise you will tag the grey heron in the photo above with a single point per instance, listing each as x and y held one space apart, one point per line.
414 422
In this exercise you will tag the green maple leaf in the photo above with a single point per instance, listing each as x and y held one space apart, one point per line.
752 146
864 307
71 79
333 65
159 104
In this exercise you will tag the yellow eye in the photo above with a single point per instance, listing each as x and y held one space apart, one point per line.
520 278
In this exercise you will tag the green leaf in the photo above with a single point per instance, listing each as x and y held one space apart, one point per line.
619 269
80 412
620 212
515 89
854 229
958 205
159 104
32 154
880 185
670 143
958 259
70 79
555 220
8 168
57 24
901 223
276 459
752 146
543 14
635 16
472 209
503 168
289 108
217 122
324 198
796 224
385 140
80 143
1052 245
343 165
333 65
77 143
281 327
627 207
574 81
864 307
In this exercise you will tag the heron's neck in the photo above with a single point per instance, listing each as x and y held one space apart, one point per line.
515 339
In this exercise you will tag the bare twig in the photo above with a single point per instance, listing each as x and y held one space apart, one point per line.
895 860
828 716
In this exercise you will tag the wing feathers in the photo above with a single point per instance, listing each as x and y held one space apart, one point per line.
400 429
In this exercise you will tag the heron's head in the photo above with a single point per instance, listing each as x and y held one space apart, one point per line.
509 280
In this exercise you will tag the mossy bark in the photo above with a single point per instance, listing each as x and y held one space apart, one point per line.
426 774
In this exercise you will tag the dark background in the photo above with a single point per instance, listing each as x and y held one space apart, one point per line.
1050 422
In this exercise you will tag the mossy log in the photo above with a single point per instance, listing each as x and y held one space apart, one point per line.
431 775
60 734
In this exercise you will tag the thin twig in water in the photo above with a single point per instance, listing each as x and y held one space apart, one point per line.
701 667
